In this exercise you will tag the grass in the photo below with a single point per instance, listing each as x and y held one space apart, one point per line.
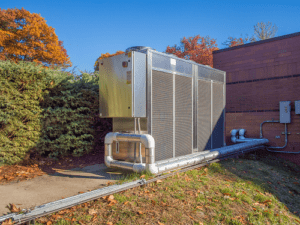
234 191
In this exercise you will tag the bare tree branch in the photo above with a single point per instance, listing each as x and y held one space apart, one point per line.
265 31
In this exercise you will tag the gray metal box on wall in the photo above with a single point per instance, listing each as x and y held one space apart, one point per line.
285 111
181 102
297 107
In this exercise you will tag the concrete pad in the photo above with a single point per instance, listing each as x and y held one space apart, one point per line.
49 188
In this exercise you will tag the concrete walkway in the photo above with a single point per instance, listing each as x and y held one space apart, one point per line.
47 188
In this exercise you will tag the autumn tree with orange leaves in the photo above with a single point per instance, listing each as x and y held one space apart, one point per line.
106 55
232 42
262 31
198 49
26 36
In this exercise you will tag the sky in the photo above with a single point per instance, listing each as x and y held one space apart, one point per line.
92 27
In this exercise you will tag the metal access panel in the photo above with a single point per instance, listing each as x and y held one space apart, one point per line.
204 115
297 107
162 120
122 85
124 151
285 111
211 108
218 128
172 106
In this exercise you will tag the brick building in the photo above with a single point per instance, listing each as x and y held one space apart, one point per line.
258 76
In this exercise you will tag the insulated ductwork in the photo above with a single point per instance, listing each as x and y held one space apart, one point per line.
145 139
165 165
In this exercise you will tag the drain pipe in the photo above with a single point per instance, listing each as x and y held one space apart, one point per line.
140 144
286 138
146 139
135 142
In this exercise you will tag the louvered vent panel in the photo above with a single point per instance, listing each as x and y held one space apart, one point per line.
217 102
162 114
204 114
183 116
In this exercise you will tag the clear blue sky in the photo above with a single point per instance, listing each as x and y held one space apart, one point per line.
91 27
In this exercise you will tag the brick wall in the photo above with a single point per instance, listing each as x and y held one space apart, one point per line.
262 94
258 76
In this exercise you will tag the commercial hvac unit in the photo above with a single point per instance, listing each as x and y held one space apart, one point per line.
177 103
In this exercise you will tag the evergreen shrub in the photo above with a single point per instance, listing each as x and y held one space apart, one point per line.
48 112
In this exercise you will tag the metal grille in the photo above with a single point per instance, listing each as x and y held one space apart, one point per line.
183 67
211 74
204 114
161 61
183 115
162 114
217 114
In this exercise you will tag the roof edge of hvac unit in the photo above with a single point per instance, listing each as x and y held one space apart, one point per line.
137 48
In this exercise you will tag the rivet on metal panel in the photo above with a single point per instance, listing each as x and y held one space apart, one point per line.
284 133
277 137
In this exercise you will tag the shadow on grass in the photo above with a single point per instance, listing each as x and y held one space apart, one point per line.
274 175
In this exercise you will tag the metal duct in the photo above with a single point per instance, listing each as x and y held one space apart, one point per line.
186 160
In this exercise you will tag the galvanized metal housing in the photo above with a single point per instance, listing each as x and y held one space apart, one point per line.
181 103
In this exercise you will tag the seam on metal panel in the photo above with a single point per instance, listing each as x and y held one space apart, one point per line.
211 116
173 74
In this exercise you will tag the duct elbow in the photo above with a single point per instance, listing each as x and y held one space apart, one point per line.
152 168
110 137
233 139
234 132
108 160
148 141
242 133
139 167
